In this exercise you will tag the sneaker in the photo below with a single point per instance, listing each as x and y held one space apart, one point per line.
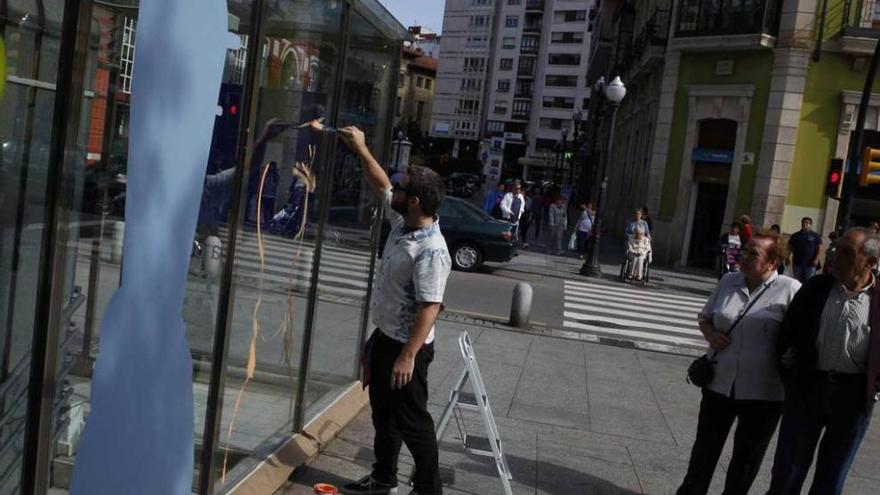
368 486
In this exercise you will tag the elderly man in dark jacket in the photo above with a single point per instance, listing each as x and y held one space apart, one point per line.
832 360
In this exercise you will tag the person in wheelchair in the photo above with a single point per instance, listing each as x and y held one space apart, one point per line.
638 254
730 246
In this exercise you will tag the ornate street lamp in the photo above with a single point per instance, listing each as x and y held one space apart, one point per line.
614 92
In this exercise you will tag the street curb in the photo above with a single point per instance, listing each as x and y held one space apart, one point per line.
545 331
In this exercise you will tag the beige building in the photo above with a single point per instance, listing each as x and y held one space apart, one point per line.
415 93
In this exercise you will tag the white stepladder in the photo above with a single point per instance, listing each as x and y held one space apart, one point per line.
478 401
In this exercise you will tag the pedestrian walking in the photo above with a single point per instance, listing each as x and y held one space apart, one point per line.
828 267
584 228
526 218
730 246
512 207
746 231
778 231
538 211
647 218
557 220
407 299
493 201
832 356
804 245
637 223
741 322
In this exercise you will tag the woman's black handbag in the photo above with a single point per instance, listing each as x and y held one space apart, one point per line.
702 370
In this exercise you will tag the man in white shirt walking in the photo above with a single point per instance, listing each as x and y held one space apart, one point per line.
512 207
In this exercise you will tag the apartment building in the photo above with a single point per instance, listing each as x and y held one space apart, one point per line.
462 73
529 91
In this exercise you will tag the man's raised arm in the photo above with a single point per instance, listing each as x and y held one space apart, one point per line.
375 175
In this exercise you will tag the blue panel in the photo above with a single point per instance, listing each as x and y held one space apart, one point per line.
139 434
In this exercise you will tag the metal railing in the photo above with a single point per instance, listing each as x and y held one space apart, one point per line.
727 17
861 18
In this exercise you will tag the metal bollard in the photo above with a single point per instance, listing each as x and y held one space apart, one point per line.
521 305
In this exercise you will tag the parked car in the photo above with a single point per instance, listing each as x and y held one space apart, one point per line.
471 234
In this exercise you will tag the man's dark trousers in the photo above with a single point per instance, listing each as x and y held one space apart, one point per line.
835 404
756 422
402 415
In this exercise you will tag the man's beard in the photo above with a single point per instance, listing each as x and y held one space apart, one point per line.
400 207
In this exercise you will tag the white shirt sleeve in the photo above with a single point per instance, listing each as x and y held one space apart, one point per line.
506 204
429 275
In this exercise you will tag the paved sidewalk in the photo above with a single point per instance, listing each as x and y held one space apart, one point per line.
576 418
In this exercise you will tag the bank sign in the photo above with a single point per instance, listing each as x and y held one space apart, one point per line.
712 156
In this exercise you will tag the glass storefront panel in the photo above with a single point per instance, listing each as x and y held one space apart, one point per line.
96 214
277 238
347 248
31 37
302 192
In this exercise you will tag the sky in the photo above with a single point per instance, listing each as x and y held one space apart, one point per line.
427 13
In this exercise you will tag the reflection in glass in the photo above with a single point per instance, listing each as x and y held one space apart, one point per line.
277 236
347 252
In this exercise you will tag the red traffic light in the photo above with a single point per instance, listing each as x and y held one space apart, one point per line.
233 109
834 178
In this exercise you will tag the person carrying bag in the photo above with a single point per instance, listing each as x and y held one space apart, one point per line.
739 376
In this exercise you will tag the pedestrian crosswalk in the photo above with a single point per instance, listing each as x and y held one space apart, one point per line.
649 317
344 269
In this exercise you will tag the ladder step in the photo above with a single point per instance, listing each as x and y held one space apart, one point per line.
468 402
478 446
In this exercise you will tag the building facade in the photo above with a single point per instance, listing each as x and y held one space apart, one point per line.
415 93
459 100
741 110
263 401
525 72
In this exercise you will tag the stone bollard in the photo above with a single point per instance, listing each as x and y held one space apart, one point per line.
521 305
213 256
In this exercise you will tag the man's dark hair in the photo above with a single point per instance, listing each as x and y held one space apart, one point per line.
427 186
736 224
807 218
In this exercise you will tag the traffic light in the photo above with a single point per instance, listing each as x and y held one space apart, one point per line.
568 155
834 182
870 163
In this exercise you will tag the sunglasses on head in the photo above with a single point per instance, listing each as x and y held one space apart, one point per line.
397 187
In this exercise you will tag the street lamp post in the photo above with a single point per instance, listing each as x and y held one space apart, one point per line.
614 92
400 137
576 118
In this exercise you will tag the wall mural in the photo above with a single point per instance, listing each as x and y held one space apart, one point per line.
139 435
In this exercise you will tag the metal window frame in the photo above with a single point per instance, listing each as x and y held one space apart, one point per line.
49 308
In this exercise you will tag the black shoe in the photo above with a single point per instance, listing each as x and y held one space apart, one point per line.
368 486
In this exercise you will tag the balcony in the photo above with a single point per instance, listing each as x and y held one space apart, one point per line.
532 27
520 115
649 44
523 93
528 50
537 5
727 24
860 26
528 72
